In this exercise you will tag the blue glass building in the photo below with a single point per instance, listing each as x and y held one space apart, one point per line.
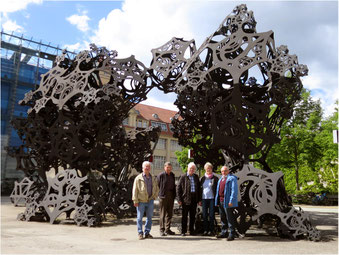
23 61
28 79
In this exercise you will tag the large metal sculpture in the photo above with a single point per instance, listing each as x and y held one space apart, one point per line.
75 124
233 94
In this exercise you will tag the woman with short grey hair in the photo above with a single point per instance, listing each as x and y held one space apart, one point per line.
208 187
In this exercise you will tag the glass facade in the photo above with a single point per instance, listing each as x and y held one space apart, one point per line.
14 86
23 61
17 78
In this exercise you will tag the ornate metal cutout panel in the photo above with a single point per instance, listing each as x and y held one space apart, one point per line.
233 94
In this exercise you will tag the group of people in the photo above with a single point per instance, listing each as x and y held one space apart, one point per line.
209 191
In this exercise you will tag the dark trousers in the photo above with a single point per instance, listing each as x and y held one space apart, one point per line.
166 211
208 214
191 209
223 218
227 220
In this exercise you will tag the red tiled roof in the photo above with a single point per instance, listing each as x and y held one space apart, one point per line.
147 111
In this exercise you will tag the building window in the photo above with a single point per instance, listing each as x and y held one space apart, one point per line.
125 121
171 127
159 162
154 124
163 126
175 164
175 146
144 124
161 145
139 123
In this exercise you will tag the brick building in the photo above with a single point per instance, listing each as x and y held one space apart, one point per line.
143 116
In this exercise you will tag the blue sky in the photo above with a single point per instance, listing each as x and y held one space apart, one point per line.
48 22
308 28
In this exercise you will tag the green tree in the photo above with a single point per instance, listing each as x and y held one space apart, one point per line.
328 165
199 140
298 150
182 157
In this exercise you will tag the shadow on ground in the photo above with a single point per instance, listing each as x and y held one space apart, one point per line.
325 219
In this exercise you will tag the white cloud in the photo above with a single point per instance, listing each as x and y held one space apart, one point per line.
12 26
143 25
72 47
323 84
8 6
77 47
80 21
160 103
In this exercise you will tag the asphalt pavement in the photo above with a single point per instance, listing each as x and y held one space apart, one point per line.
120 237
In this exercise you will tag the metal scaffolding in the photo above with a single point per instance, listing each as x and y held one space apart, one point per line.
23 60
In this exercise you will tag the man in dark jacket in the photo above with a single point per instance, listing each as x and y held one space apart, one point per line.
166 181
188 193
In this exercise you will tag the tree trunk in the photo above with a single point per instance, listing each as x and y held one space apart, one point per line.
296 166
297 175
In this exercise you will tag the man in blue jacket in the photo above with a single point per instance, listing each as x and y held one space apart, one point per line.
227 198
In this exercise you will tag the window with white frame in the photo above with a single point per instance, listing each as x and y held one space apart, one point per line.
175 163
154 124
171 127
139 123
125 121
159 162
162 125
175 146
161 145
144 124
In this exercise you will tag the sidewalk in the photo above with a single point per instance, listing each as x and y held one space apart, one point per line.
120 237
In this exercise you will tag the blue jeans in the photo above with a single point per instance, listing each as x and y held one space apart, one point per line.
227 219
141 209
208 214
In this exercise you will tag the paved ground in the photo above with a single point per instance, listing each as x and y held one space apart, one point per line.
120 237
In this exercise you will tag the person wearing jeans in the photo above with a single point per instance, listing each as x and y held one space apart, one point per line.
141 209
208 186
227 198
145 190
